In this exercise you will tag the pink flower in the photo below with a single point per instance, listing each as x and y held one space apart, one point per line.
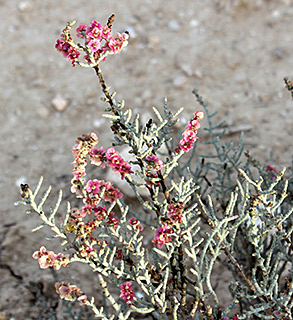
67 50
111 152
185 145
50 259
163 236
80 31
94 33
118 254
111 194
93 186
94 45
189 136
154 162
70 292
112 221
272 170
75 212
82 299
126 292
46 258
198 115
98 157
116 44
100 213
193 125
135 222
106 33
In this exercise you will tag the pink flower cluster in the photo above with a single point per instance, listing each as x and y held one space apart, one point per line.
50 259
98 42
163 235
117 163
70 292
83 145
67 50
100 189
126 292
154 164
95 191
189 135
111 158
175 212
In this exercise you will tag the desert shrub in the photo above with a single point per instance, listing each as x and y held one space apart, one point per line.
195 216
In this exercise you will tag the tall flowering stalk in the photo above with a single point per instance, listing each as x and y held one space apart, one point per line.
169 276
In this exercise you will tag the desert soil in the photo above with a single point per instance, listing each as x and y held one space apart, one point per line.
236 53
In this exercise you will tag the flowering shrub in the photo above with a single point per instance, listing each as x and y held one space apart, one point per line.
159 258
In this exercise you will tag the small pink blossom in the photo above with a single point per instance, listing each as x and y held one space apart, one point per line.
185 145
93 186
272 170
198 115
98 157
163 236
189 136
106 33
75 212
111 194
100 213
126 292
98 39
112 221
136 223
118 254
94 45
193 125
154 162
80 31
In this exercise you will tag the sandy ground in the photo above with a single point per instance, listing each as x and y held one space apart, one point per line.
235 52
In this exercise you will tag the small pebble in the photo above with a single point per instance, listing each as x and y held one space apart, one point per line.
98 122
278 53
25 6
194 23
59 103
154 42
187 69
199 74
179 81
173 25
